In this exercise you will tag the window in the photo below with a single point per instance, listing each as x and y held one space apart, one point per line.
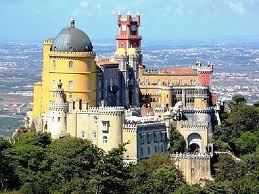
106 125
95 120
70 95
141 137
71 84
54 64
53 83
70 64
156 137
148 150
58 119
88 84
52 119
105 139
123 28
162 149
94 135
83 135
155 149
149 138
141 152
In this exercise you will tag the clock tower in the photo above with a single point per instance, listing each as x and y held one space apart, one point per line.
128 32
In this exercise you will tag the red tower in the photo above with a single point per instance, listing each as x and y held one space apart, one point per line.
128 33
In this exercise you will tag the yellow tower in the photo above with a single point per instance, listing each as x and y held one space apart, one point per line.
69 58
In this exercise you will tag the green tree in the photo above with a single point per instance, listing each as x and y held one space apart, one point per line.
239 99
70 161
177 141
111 175
26 157
224 169
8 178
187 189
151 176
166 179
247 142
216 188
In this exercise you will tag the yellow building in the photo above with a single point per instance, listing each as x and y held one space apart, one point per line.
68 58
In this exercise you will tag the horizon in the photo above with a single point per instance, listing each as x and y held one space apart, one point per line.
30 20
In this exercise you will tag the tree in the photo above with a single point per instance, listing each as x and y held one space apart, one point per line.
245 118
224 169
8 179
247 142
256 104
70 162
165 179
157 174
216 188
111 175
239 99
177 141
187 189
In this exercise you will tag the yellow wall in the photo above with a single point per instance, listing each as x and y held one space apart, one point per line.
36 112
56 67
130 135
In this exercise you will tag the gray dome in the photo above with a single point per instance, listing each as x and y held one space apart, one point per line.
72 39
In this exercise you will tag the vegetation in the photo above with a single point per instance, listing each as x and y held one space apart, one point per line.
33 163
177 141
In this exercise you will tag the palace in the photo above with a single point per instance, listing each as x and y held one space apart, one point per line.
117 100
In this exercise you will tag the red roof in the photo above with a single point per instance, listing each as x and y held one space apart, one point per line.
178 70
105 62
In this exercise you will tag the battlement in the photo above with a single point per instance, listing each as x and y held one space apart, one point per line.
53 106
196 125
132 127
49 41
188 110
68 54
189 156
128 19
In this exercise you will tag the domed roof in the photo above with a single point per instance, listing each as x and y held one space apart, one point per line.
72 39
132 51
120 51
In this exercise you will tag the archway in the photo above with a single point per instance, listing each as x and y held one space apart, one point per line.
194 143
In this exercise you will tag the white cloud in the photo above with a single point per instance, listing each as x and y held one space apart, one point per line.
237 7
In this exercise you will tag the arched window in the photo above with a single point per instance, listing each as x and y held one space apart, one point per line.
95 120
54 64
83 134
94 135
105 139
141 152
70 64
162 149
71 84
148 150
155 149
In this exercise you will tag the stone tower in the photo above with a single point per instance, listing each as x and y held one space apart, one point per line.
128 33
57 122
69 57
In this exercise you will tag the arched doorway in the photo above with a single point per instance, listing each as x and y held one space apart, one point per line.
194 143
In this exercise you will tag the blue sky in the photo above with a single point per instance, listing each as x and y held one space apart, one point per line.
171 19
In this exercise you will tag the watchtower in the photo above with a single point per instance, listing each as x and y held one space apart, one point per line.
128 33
